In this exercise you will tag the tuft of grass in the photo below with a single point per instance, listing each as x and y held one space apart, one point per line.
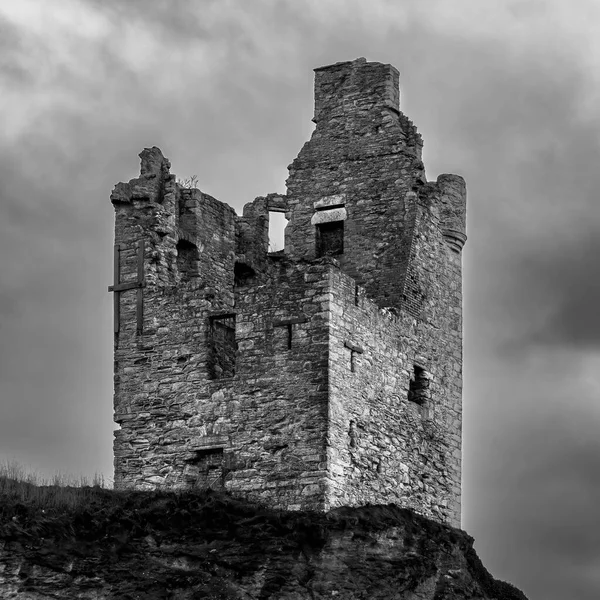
191 183
60 491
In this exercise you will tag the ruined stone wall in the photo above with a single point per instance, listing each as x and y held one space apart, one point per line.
225 385
363 157
161 350
324 375
265 426
386 441
281 387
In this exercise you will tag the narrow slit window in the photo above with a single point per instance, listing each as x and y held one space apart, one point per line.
222 347
418 387
277 225
330 238
282 337
187 259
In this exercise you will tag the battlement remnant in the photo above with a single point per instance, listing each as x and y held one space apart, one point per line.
328 373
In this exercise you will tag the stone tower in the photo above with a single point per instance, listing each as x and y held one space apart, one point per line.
325 374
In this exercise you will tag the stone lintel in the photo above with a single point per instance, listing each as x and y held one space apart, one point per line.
209 442
221 313
328 216
276 203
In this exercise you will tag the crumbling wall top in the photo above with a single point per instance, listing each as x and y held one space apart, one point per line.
352 86
153 162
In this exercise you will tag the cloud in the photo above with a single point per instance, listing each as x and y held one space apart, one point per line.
562 286
546 503
523 136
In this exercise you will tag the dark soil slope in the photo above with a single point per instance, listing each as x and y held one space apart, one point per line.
107 544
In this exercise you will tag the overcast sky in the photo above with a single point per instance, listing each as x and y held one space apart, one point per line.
506 94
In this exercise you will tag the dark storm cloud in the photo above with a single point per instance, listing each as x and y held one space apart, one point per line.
560 283
523 134
549 506
12 54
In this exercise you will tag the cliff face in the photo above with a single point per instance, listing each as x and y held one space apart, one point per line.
186 546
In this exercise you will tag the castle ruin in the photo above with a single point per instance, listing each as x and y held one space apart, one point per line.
325 374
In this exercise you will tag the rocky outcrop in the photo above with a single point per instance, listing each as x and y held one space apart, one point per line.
152 545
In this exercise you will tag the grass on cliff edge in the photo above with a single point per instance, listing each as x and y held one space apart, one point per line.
60 491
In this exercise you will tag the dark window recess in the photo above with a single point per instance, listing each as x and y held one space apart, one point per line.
330 238
418 388
352 434
222 347
205 470
243 273
187 259
282 337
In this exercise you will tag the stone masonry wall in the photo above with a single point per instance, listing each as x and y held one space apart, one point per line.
158 364
268 421
327 374
383 445
260 431
281 386
364 156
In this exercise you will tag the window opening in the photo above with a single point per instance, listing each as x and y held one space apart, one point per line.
352 434
418 387
243 274
282 336
187 259
330 238
222 347
205 470
277 225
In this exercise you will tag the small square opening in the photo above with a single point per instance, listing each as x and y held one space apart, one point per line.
330 238
205 470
